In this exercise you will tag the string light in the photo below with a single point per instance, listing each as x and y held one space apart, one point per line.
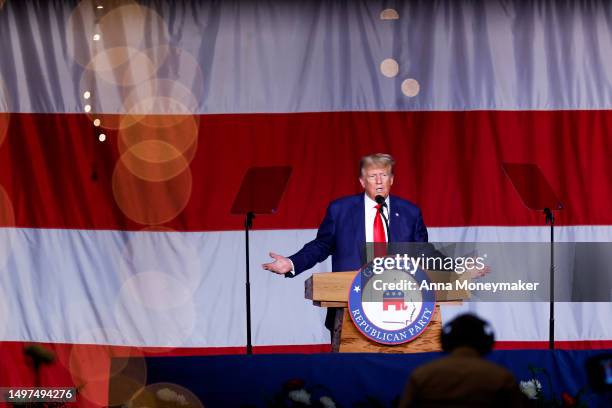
410 87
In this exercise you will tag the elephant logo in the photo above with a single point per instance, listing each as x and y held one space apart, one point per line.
394 298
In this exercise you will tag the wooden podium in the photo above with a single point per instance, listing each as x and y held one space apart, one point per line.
331 289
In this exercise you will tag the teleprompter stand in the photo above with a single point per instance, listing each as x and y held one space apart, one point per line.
537 194
260 193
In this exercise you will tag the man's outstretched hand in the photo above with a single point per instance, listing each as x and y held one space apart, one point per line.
479 273
281 265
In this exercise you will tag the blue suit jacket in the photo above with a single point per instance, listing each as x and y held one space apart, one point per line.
342 233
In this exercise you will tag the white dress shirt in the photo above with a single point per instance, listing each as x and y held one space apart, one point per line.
370 214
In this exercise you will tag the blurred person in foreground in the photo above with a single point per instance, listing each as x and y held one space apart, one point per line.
463 378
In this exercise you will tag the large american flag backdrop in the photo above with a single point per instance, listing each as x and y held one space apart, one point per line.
127 127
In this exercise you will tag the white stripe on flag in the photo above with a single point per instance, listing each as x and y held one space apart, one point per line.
187 289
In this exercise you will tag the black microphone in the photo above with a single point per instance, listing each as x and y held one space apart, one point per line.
380 200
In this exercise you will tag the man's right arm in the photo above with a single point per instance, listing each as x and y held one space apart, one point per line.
313 252
318 249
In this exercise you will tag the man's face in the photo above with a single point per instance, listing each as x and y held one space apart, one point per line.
376 181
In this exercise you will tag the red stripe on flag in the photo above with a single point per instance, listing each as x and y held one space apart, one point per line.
449 163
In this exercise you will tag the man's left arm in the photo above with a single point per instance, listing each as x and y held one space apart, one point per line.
420 230
420 235
318 249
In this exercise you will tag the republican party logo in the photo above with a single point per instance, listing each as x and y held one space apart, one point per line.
393 306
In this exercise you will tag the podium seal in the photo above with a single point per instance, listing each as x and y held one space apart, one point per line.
393 306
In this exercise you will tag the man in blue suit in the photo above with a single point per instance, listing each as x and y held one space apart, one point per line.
351 221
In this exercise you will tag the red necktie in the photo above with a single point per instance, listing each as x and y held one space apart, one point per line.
379 229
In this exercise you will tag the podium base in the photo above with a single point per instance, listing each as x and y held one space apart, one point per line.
352 341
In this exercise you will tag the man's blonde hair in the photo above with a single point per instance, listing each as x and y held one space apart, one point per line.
376 160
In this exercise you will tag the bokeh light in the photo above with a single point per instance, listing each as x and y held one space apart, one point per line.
110 78
106 120
165 394
93 365
168 140
124 26
89 359
164 251
411 87
177 65
389 67
135 195
97 368
123 66
157 290
122 388
177 88
159 96
162 323
154 160
389 14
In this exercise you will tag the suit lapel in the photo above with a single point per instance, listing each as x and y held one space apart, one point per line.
393 221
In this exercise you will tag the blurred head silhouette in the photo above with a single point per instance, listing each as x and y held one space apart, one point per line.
468 330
